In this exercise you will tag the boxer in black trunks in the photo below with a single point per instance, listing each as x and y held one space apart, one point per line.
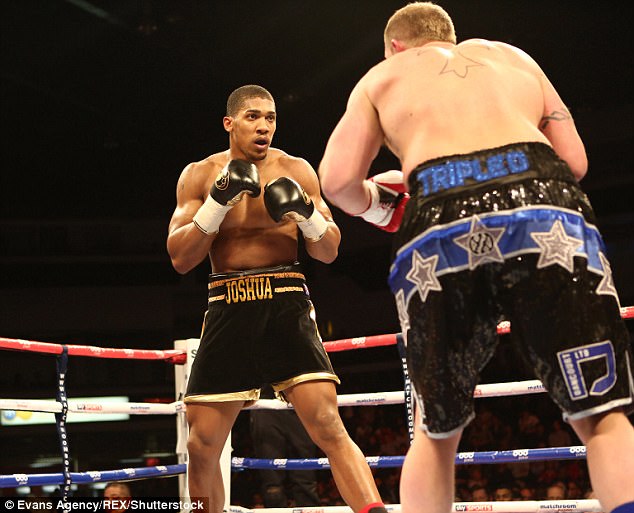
496 225
242 208
241 348
546 272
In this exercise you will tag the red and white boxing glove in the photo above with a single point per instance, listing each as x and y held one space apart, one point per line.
387 201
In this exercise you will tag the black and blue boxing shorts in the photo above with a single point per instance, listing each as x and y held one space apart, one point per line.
259 329
506 234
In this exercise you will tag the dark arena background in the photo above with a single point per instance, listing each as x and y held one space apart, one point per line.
102 105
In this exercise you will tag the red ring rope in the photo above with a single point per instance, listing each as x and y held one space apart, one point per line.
177 356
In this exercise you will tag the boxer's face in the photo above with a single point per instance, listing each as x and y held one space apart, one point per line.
251 129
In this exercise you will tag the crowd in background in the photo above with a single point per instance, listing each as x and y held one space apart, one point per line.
500 424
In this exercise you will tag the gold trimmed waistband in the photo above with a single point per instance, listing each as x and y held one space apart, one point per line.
276 290
260 285
223 281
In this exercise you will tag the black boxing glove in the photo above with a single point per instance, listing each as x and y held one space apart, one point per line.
284 197
236 179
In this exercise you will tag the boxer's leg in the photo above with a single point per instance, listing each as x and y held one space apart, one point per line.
427 477
209 426
316 405
609 441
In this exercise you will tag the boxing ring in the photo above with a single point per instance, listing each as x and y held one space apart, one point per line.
182 355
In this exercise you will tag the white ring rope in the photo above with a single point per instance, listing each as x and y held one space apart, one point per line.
371 399
90 407
581 505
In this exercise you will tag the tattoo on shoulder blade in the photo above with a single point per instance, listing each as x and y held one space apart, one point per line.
459 65
557 115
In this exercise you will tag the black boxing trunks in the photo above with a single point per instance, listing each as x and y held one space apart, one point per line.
259 329
506 233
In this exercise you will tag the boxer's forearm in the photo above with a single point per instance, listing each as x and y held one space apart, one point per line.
351 197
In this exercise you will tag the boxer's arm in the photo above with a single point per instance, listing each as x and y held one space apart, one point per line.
320 232
556 122
327 248
186 248
353 145
559 127
187 245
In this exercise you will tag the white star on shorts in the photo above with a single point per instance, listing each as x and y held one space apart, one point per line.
481 243
606 286
556 247
401 308
423 274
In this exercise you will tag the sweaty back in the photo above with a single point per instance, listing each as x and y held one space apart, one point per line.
461 98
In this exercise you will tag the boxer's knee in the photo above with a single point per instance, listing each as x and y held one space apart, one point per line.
205 448
326 429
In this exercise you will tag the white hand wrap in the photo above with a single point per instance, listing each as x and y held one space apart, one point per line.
315 227
210 215
377 213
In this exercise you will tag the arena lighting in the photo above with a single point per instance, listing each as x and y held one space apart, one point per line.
12 418
46 461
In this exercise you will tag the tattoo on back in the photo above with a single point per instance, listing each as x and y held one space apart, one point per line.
557 115
459 65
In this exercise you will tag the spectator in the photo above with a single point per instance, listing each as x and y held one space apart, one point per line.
475 476
257 501
556 492
549 473
480 432
527 493
479 494
520 471
531 430
573 490
503 493
119 495
559 437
